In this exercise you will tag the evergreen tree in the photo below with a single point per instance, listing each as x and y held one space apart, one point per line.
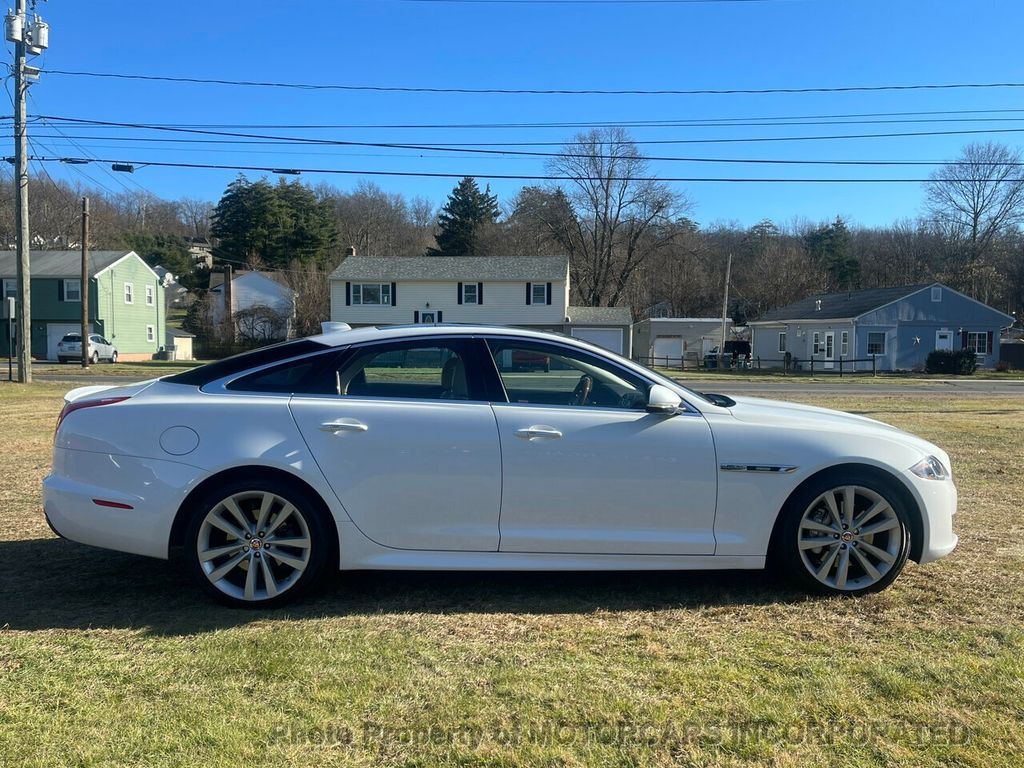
829 246
256 221
467 212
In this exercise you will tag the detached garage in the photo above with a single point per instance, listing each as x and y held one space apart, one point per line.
607 327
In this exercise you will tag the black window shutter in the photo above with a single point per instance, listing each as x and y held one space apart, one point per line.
348 294
416 316
549 293
990 342
440 316
60 290
394 294
460 293
479 293
529 287
963 340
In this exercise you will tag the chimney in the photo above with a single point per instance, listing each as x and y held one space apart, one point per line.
227 292
350 251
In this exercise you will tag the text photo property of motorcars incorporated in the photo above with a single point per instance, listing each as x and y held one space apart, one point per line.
435 447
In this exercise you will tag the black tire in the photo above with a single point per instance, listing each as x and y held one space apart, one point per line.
787 554
113 357
95 359
321 537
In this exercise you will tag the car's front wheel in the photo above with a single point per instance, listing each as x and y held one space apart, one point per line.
257 543
113 357
845 534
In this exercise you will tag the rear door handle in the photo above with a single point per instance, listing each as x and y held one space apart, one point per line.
538 432
343 425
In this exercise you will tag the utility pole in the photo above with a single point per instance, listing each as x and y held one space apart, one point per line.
84 290
725 310
28 38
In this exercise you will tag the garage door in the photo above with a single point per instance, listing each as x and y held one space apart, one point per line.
609 338
55 332
668 348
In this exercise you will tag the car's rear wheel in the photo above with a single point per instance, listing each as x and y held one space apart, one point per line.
257 543
845 534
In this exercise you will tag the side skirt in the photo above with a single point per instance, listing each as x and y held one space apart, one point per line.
359 553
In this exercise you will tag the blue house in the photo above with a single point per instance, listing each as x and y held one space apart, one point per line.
897 327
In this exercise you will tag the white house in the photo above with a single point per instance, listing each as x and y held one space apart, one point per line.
528 292
261 302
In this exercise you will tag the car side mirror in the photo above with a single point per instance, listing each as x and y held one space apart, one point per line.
661 399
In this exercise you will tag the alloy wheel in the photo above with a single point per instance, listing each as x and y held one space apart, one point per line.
254 545
850 537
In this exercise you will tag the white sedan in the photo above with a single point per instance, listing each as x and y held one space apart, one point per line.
430 447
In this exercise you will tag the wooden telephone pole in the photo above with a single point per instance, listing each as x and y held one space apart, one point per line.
84 290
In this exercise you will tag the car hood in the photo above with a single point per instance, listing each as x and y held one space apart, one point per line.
794 415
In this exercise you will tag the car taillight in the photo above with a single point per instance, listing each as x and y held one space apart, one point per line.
78 405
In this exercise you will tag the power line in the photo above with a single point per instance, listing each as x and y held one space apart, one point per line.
632 123
511 155
533 91
512 177
475 148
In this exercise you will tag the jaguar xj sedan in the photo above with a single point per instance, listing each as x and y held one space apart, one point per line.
435 447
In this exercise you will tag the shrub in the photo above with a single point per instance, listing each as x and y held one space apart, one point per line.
1003 366
960 363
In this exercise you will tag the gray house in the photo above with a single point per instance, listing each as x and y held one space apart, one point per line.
897 327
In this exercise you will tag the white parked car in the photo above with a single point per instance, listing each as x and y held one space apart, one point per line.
69 349
431 447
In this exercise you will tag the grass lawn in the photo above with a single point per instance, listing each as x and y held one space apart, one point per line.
109 659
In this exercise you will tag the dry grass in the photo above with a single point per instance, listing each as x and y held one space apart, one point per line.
108 659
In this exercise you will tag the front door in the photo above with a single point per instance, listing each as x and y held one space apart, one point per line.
944 340
830 350
585 469
409 445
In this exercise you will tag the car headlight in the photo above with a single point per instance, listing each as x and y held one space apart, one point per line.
930 468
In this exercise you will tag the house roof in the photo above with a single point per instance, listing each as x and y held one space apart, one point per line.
217 278
840 305
177 333
59 263
600 315
448 268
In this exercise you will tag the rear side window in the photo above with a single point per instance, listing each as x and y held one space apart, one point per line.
257 358
72 337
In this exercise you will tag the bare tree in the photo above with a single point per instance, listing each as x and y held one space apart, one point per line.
621 218
311 284
976 200
195 215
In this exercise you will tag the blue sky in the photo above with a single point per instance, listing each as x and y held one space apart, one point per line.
770 44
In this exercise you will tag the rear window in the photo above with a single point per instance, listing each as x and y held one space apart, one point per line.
72 337
204 374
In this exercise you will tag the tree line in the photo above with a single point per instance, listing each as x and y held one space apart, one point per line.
630 238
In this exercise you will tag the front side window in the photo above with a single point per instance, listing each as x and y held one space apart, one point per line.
782 341
978 343
72 290
876 343
414 370
539 293
545 374
129 293
371 293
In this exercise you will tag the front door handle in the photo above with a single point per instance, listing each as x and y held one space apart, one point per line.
343 425
538 432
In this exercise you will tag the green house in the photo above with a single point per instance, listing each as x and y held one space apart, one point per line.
126 301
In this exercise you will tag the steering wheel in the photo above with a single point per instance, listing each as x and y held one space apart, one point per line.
582 391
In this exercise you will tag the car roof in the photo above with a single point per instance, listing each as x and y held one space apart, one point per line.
373 333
